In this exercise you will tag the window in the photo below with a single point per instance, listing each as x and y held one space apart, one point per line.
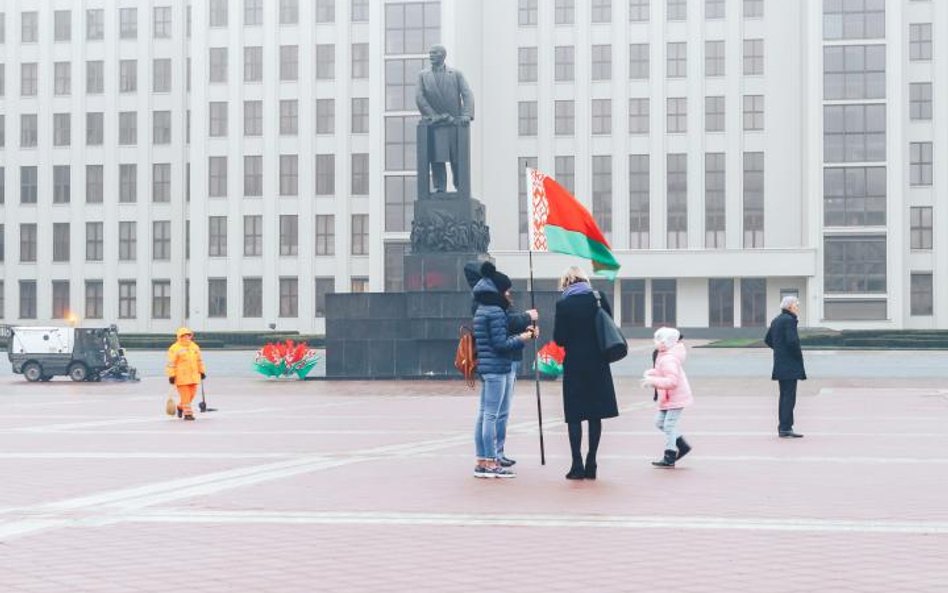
128 183
714 114
639 11
677 115
253 63
217 176
853 133
253 13
217 64
3 82
360 60
359 12
564 12
413 27
27 299
664 301
714 58
563 63
161 299
217 297
28 79
753 57
360 115
325 234
854 72
855 264
62 75
60 299
854 196
602 192
400 142
714 200
217 236
359 185
218 13
289 175
325 61
854 19
753 9
325 174
289 117
721 302
601 62
128 23
28 180
62 184
922 298
920 155
289 297
3 199
94 129
601 116
253 118
527 118
95 243
400 78
95 24
601 11
253 235
920 100
564 171
527 64
920 219
324 286
325 11
753 112
28 130
161 127
638 116
62 129
253 297
162 22
638 61
94 184
94 297
289 12
677 10
753 302
60 241
289 234
128 76
360 234
753 199
161 240
27 242
253 176
638 203
128 299
677 188
523 213
677 60
128 241
400 195
29 27
920 42
714 9
563 117
161 182
633 302
161 75
527 13
95 77
289 62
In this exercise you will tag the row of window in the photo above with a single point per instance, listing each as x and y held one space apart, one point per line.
600 11
324 232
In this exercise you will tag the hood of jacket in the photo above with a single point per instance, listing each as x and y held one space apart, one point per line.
486 293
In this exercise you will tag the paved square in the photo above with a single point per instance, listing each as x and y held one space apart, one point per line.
363 487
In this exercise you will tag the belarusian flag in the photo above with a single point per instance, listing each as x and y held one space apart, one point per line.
558 222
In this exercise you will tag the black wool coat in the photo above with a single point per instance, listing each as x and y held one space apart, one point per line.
783 339
588 392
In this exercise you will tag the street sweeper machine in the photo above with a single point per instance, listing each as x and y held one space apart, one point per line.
82 353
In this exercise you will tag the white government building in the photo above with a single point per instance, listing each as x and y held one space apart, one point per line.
239 159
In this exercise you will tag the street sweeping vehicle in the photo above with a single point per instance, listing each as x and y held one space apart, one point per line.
83 353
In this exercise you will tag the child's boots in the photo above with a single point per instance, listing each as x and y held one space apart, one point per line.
683 447
668 461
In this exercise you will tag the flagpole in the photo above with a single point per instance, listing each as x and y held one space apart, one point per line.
536 366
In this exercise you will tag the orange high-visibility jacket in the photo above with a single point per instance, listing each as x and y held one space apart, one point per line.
185 363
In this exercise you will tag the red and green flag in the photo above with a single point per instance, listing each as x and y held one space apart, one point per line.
550 359
559 223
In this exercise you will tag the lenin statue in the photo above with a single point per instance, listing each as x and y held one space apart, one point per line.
445 102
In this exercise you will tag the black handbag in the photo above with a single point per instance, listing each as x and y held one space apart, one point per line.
612 343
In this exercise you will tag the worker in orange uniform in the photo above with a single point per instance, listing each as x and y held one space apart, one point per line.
185 370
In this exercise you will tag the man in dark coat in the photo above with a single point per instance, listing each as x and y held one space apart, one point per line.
783 339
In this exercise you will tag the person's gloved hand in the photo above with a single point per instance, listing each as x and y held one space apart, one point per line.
203 376
171 380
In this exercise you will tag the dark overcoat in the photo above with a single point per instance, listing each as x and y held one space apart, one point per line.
783 339
588 392
443 92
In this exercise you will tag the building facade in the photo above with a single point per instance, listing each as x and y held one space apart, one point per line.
230 162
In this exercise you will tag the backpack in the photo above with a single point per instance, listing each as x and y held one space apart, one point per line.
465 357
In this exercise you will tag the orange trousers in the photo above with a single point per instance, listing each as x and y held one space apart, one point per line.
186 394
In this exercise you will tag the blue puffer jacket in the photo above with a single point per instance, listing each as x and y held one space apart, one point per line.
494 347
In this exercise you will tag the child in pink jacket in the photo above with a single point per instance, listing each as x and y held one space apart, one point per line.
674 392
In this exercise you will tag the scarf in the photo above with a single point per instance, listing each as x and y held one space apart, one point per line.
577 288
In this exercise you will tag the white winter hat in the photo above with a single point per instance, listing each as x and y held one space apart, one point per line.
667 336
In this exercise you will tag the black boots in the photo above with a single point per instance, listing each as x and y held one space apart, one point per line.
590 469
683 447
577 472
668 461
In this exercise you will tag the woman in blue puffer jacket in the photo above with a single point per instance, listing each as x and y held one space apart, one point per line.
494 348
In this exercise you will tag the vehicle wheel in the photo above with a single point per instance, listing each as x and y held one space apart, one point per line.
78 372
33 372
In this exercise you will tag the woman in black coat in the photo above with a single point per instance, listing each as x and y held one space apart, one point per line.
588 392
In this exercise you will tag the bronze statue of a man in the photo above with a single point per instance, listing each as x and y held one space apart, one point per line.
446 102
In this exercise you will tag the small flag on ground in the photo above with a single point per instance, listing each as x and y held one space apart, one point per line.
559 223
550 359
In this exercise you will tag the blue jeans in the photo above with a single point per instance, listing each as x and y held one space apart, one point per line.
485 427
667 422
504 412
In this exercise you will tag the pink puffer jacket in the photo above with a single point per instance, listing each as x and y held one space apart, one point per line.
670 379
